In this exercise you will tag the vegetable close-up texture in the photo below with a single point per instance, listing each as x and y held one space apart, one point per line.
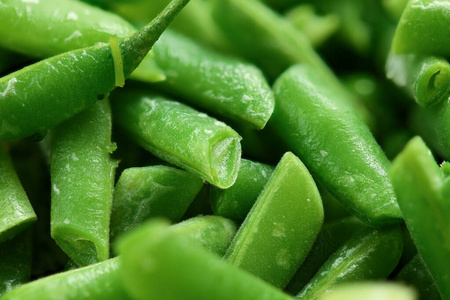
225 149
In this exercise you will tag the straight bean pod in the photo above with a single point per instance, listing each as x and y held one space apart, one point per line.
142 193
180 135
236 201
82 176
16 212
281 227
335 144
427 78
372 291
419 182
369 254
150 265
52 90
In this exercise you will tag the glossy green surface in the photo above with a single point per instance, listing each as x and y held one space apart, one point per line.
15 262
281 227
423 28
325 132
180 135
369 254
142 193
52 90
372 291
330 238
419 182
427 78
417 274
82 184
236 201
16 212
215 82
151 265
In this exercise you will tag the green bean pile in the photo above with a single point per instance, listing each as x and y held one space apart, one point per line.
225 149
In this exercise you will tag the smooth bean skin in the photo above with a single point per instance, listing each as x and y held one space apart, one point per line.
215 82
338 148
417 274
142 193
52 90
371 291
236 201
180 135
16 212
419 182
82 175
330 238
150 266
427 78
369 254
281 227
421 20
67 24
15 262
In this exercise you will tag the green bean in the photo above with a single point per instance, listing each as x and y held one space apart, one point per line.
142 193
150 266
213 81
427 78
16 212
82 182
281 227
417 274
15 262
371 291
419 182
52 90
180 135
369 254
201 204
421 20
330 238
236 201
335 144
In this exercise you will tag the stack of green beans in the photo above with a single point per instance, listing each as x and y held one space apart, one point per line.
224 149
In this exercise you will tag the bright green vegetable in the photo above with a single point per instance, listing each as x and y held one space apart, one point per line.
15 262
236 201
142 193
427 78
371 291
16 212
324 130
423 28
180 135
281 227
420 187
369 254
52 90
150 266
82 184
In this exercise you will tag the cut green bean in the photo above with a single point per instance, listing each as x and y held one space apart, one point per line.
371 291
150 266
236 201
82 182
16 212
281 227
15 262
369 254
335 144
52 90
419 182
423 28
142 193
427 78
213 81
330 238
180 135
417 274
